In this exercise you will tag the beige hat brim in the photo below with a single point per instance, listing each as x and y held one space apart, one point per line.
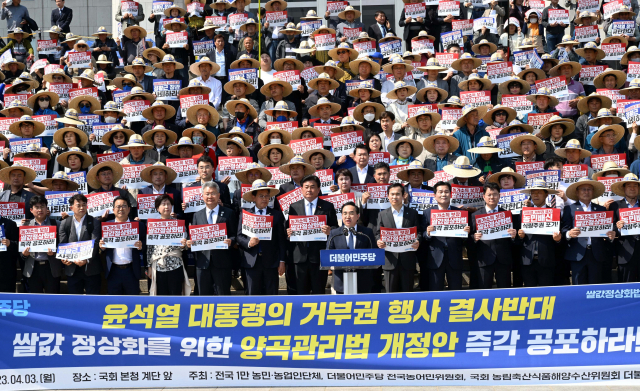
575 69
106 138
620 76
404 174
481 150
618 187
308 168
297 133
456 64
33 99
71 185
236 64
562 152
435 118
359 116
214 117
486 84
170 111
242 175
313 111
353 54
263 138
374 93
329 157
530 189
246 139
177 64
127 31
25 111
520 180
320 69
618 130
223 142
95 104
516 147
119 80
63 158
58 136
621 172
129 68
38 127
538 72
250 195
339 128
553 101
461 173
599 56
313 83
355 64
148 136
569 127
492 47
526 127
583 104
416 150
511 114
228 87
287 89
429 143
116 168
263 153
388 68
410 91
195 67
158 52
147 96
503 87
29 174
231 107
482 111
49 79
598 189
423 92
171 175
279 64
210 137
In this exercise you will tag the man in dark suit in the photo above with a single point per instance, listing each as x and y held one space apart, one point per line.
123 264
263 260
338 240
627 247
362 172
62 16
205 171
399 268
297 169
381 27
538 253
42 270
16 177
444 254
82 276
138 68
416 175
493 256
585 254
222 54
213 267
306 255
161 178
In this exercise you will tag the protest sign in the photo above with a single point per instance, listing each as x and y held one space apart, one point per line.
228 166
519 103
79 59
393 173
335 7
177 39
310 72
598 161
38 64
165 232
364 47
522 58
47 46
523 168
257 226
535 61
309 26
512 200
423 45
208 237
378 198
631 218
220 21
99 129
36 164
466 196
187 101
237 20
158 7
285 200
499 72
611 7
451 37
244 189
277 177
407 77
51 68
112 157
439 176
356 84
90 91
560 16
415 10
390 47
166 89
326 180
131 176
23 98
62 89
81 179
344 143
633 71
192 198
338 200
464 25
5 123
351 33
77 251
589 72
540 221
129 7
19 145
571 173
325 42
147 206
613 51
488 22
623 27
186 169
450 117
588 6
50 124
58 202
3 235
608 194
98 203
38 239
494 225
375 157
307 228
89 120
14 211
118 96
593 224
550 177
133 109
446 8
475 98
195 8
291 77
557 86
250 75
446 59
538 120
629 111
614 95
399 240
413 109
449 223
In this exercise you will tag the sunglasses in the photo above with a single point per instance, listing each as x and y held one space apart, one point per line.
87 105
501 113
127 84
343 52
44 99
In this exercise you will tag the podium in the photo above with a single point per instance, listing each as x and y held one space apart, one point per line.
350 261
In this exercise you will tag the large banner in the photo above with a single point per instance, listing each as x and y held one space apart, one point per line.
520 336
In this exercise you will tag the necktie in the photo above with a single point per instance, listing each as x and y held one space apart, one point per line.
260 243
552 201
384 30
351 244
310 209
210 219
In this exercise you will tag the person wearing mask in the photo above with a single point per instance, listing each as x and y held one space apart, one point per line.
273 151
42 270
237 90
368 114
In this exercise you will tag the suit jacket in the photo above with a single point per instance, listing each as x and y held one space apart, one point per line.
356 178
410 218
175 193
25 196
222 259
576 247
137 256
375 32
147 83
546 249
337 240
54 264
62 20
91 230
11 233
304 252
396 136
627 247
230 55
436 245
489 251
273 251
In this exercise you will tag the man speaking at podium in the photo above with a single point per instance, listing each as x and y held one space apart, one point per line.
362 239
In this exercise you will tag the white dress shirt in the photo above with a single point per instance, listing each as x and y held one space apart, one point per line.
313 203
214 218
386 141
122 256
216 90
355 239
78 225
585 208
491 210
362 174
397 216
161 191
220 60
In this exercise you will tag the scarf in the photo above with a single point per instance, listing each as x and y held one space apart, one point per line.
402 161
115 149
497 125
534 29
556 144
243 124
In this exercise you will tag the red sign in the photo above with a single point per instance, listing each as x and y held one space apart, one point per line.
522 167
598 161
98 203
112 157
289 198
208 237
344 143
192 198
375 157
186 169
594 224
306 144
120 235
494 225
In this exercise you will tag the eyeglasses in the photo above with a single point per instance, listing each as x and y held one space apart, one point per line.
342 52
44 99
120 207
263 196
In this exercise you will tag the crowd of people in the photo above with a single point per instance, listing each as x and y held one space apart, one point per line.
271 119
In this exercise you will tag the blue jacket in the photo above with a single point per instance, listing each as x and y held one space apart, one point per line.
467 141
394 162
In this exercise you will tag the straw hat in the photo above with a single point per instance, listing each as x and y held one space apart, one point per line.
634 85
465 56
18 30
195 67
137 62
511 114
208 25
183 26
287 153
75 102
17 104
415 145
249 21
515 144
168 113
102 59
572 190
263 138
305 47
519 179
429 142
265 175
343 14
355 65
299 160
591 46
138 91
281 106
269 7
34 149
70 118
432 65
60 176
355 92
514 124
618 187
482 111
210 138
353 54
547 57
170 174
583 15
231 107
617 129
320 69
55 30
223 142
625 56
421 95
538 184
620 76
605 101
575 68
148 135
359 115
400 85
70 37
214 117
245 57
227 5
168 59
313 110
106 138
101 30
486 83
416 165
127 32
462 168
181 11
435 117
388 68
485 145
256 186
527 43
136 141
572 144
311 15
228 86
57 72
92 175
38 127
390 36
504 86
237 132
128 77
63 158
553 101
297 133
157 51
29 174
58 136
347 121
279 64
453 101
313 83
287 89
609 167
567 124
328 156
492 47
538 72
623 9
10 61
567 40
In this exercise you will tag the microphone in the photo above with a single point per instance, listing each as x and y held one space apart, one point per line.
345 232
354 232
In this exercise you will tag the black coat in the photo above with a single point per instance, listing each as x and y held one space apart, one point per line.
488 252
436 245
91 230
273 251
410 218
222 259
311 254
627 247
547 248
62 20
576 247
356 178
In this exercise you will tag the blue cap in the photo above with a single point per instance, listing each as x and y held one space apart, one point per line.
376 55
